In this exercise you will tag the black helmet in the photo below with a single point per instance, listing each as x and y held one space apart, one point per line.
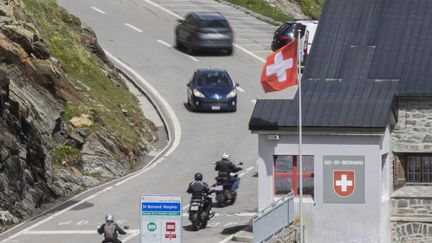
198 176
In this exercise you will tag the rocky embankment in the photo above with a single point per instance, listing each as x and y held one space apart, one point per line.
44 157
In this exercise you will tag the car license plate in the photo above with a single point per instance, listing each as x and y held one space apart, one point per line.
219 188
215 107
194 208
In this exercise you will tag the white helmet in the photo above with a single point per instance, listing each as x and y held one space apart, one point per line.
225 156
109 217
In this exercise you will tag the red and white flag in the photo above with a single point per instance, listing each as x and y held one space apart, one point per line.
280 69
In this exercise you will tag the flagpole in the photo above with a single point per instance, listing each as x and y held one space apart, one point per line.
300 158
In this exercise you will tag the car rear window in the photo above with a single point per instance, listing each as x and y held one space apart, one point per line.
215 78
213 23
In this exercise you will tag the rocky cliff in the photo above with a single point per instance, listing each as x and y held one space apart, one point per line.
58 134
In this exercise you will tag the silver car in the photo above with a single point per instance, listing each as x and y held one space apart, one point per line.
204 30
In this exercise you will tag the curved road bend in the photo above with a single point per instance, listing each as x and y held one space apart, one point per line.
140 33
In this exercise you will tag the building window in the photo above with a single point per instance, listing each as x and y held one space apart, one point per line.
419 168
286 174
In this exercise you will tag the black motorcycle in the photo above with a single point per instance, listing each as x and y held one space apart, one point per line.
223 189
198 215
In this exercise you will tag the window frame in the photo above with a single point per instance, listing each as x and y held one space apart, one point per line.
422 172
295 182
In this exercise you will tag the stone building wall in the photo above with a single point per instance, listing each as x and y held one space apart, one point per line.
411 213
413 132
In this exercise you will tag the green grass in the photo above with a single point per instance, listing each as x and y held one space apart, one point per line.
261 7
61 32
65 153
312 8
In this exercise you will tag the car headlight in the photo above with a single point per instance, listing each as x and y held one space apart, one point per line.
232 94
198 94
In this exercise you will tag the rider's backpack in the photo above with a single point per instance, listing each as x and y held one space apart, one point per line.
109 231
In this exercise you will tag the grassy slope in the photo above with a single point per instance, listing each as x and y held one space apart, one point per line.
106 97
311 8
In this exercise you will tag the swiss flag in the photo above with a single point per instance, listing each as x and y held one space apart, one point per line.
280 69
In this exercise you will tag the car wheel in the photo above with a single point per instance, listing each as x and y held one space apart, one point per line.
229 51
178 44
190 48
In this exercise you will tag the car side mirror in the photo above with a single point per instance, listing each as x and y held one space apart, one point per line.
237 84
180 21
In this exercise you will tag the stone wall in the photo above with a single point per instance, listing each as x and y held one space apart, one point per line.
287 235
413 132
411 219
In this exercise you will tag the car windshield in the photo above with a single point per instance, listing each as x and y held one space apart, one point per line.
214 79
213 23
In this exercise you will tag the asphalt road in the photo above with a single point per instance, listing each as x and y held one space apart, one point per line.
140 33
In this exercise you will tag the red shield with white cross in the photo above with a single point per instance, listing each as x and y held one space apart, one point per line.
344 182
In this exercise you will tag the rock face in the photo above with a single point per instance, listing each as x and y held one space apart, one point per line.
33 93
289 7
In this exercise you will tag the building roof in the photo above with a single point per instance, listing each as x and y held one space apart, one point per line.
364 53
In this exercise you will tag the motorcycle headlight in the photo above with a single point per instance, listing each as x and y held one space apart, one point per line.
232 94
198 94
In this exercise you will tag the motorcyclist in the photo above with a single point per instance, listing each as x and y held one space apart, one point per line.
200 190
110 230
225 167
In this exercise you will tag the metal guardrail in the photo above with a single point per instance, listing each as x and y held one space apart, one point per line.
273 219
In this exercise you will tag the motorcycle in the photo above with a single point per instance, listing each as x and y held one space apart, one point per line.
198 215
223 188
126 227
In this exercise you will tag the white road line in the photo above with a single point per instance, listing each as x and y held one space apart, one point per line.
243 173
178 16
254 101
164 43
164 9
230 223
169 45
251 39
130 236
227 239
98 10
265 51
240 89
151 164
250 53
211 225
245 214
253 45
133 27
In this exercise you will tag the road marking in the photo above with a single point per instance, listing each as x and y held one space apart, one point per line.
83 222
153 163
107 189
132 235
64 223
243 173
133 27
180 17
170 46
227 239
254 101
240 89
98 10
213 225
265 51
245 214
230 223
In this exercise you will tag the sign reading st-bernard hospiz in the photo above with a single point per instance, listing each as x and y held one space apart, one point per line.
161 219
344 179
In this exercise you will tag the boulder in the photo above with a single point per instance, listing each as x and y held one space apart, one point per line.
82 121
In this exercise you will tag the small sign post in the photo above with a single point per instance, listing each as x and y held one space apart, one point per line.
160 219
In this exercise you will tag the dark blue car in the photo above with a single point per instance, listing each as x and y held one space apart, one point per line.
212 90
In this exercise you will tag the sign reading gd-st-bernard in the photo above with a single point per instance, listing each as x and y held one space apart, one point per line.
344 179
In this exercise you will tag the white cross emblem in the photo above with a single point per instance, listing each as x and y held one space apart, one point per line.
344 183
279 67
